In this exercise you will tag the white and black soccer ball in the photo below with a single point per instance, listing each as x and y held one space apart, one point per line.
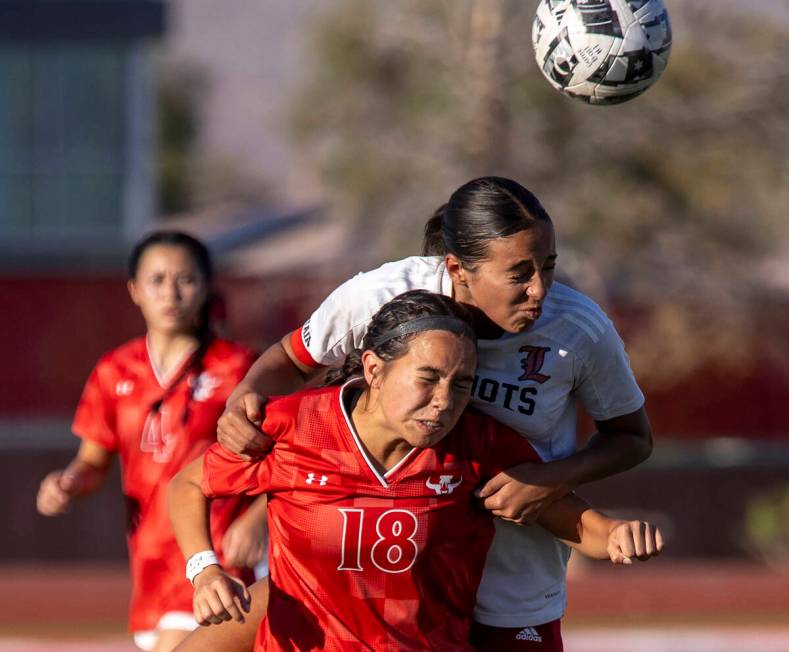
601 51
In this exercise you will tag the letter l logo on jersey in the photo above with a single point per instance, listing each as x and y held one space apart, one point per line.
532 363
444 484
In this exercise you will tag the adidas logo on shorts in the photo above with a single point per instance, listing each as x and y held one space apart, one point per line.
528 634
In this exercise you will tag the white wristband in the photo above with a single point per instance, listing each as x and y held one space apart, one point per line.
197 563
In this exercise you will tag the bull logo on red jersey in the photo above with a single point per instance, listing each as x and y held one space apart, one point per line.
532 363
445 485
204 386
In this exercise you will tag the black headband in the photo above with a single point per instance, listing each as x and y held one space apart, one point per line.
420 324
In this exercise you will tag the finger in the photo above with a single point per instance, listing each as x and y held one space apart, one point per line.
252 405
229 599
51 500
638 529
658 541
625 543
68 482
616 554
217 607
649 541
245 595
203 613
492 486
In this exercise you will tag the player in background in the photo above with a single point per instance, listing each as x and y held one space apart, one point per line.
154 401
543 347
375 539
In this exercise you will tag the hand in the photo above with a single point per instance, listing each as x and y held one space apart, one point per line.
238 429
521 493
637 539
55 492
244 542
219 597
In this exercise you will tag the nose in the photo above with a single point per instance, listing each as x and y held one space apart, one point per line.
171 290
443 400
537 288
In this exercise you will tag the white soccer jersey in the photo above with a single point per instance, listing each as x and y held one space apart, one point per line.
529 381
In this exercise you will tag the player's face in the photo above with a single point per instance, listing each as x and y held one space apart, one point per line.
169 289
421 395
510 285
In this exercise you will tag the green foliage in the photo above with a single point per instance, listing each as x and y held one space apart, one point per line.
180 90
767 526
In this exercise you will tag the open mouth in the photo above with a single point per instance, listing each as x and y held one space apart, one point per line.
430 426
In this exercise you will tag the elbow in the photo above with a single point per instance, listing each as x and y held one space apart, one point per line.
646 445
179 490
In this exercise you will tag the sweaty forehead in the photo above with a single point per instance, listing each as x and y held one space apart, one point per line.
443 351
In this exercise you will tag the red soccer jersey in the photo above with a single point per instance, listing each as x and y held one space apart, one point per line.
364 560
115 411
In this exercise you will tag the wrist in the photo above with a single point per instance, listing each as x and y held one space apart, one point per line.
198 562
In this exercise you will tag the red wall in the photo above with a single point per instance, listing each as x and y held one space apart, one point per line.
53 329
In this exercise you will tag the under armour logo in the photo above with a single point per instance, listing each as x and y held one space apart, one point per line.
532 363
311 477
444 484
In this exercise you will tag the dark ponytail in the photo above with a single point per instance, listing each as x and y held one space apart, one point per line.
479 211
433 243
404 308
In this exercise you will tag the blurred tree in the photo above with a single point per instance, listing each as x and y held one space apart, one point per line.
181 88
191 178
675 201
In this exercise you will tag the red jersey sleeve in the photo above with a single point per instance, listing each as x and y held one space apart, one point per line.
300 349
505 448
95 416
226 474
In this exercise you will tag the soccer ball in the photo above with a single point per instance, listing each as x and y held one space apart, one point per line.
601 51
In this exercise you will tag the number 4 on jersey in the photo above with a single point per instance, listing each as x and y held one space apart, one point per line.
394 551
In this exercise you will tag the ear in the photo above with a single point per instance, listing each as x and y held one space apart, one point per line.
372 366
456 270
134 293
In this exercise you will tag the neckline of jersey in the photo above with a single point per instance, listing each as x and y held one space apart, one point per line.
162 378
384 478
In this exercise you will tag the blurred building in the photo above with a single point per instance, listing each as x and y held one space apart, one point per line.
76 126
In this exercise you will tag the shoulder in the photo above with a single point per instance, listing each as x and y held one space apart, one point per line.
122 356
308 410
414 272
320 399
226 351
574 311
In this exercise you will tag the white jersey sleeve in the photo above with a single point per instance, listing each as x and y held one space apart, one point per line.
605 384
340 322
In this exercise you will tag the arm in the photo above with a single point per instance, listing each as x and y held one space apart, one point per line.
596 535
276 371
245 539
521 493
83 476
218 596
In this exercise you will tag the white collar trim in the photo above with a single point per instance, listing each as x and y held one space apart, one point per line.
162 378
381 478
